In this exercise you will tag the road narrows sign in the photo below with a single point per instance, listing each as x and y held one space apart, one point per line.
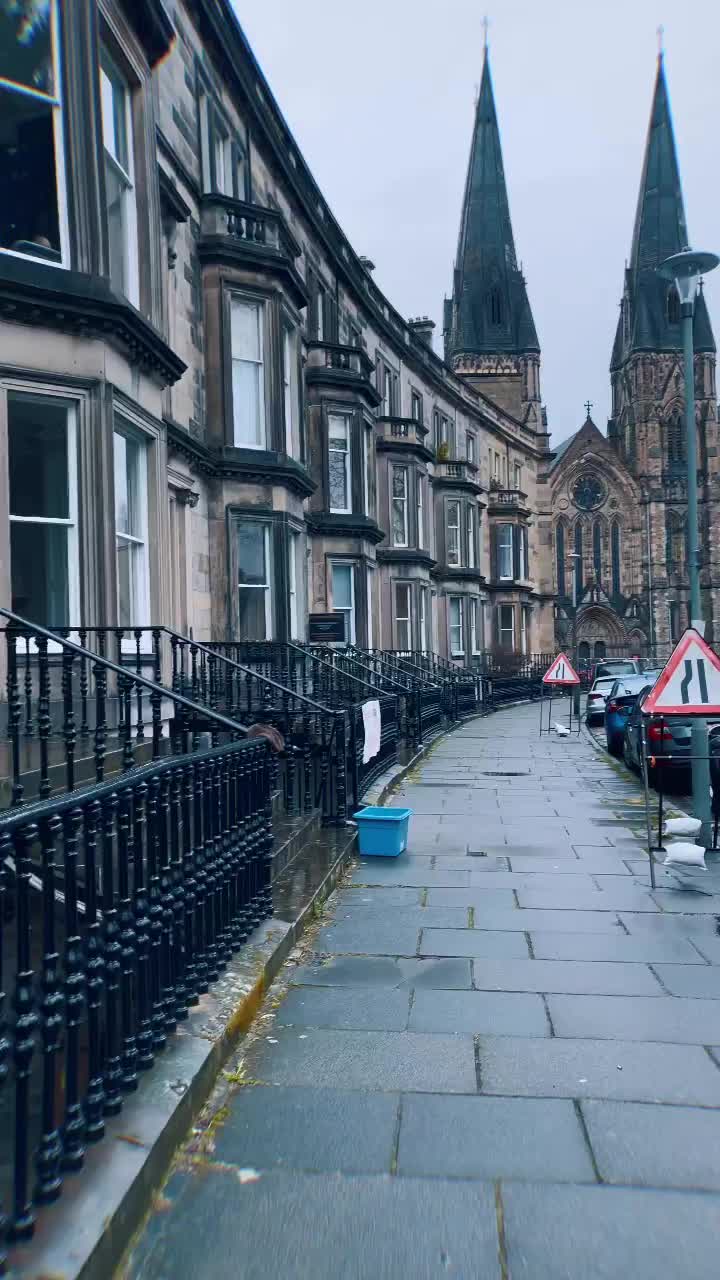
561 671
689 684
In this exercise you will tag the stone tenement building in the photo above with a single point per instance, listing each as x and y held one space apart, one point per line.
213 417
619 503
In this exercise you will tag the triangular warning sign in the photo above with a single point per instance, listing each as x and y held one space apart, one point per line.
689 684
561 671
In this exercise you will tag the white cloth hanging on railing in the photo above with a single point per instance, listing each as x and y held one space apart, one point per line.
371 721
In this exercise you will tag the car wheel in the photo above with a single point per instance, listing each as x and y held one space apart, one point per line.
614 745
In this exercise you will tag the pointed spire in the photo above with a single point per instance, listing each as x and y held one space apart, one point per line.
648 319
490 308
660 227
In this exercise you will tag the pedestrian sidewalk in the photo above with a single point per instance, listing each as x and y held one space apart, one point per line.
501 1060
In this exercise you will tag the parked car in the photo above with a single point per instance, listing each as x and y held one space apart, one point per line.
665 737
620 702
616 667
595 707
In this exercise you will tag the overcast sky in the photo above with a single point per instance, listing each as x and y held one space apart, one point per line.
380 97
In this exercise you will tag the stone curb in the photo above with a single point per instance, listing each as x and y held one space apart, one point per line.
86 1233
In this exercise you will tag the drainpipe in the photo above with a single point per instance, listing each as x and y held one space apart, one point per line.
650 582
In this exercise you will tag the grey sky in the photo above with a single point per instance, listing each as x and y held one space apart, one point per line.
380 96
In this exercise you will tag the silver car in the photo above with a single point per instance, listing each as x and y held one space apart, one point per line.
597 697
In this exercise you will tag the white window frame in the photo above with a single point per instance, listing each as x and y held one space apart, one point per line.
524 628
223 158
55 102
237 300
475 625
416 401
457 646
402 505
346 420
504 630
110 69
422 619
502 546
290 390
420 496
456 559
71 522
404 619
142 583
470 447
471 535
267 585
523 550
350 629
294 545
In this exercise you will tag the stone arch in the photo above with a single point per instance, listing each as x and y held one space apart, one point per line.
596 623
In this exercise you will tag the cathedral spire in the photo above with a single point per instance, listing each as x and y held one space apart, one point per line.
649 316
489 313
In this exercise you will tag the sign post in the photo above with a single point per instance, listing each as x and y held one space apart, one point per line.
560 673
688 686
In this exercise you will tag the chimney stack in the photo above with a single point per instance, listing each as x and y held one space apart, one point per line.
422 328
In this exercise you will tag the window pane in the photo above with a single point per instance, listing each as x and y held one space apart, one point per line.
122 498
114 114
337 476
38 461
26 45
127 582
252 569
129 457
245 331
505 550
251 608
29 206
115 192
247 404
342 586
39 573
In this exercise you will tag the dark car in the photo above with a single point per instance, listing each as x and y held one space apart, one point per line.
620 702
669 737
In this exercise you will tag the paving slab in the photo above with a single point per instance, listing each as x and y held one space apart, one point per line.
401 874
702 981
387 896
603 1233
670 1020
490 1013
361 1009
669 925
472 942
493 1138
320 1227
709 947
374 1060
319 1130
585 1068
616 897
643 948
489 918
673 900
473 896
364 935
568 866
578 976
382 971
641 1145
416 916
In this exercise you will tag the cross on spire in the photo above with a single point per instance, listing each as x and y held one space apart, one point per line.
485 25
660 35
588 406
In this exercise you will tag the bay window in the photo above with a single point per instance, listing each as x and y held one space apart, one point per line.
339 465
254 585
42 465
120 197
504 544
33 215
248 373
130 463
455 615
453 532
403 623
343 595
399 513
506 627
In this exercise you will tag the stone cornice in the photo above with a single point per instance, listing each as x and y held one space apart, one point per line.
405 555
344 526
252 466
34 294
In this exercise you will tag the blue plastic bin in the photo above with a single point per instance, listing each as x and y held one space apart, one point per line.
382 833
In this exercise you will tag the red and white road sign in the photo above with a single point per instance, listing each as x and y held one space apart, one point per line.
561 671
689 684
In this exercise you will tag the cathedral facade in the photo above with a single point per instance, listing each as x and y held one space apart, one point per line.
615 520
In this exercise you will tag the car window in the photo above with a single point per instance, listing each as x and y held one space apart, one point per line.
616 668
605 682
631 684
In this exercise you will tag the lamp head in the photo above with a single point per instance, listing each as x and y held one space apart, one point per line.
685 269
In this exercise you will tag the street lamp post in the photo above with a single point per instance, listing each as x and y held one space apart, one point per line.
685 269
576 557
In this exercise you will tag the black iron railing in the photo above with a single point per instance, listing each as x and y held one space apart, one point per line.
119 905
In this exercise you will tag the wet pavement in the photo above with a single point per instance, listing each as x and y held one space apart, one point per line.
499 1058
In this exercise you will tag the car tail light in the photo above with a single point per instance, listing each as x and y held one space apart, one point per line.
659 732
611 706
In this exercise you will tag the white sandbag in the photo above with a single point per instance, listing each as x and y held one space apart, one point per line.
561 730
682 853
684 826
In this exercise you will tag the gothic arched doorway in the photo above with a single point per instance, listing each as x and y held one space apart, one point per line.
599 632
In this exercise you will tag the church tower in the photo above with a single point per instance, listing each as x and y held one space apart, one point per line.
647 424
489 330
